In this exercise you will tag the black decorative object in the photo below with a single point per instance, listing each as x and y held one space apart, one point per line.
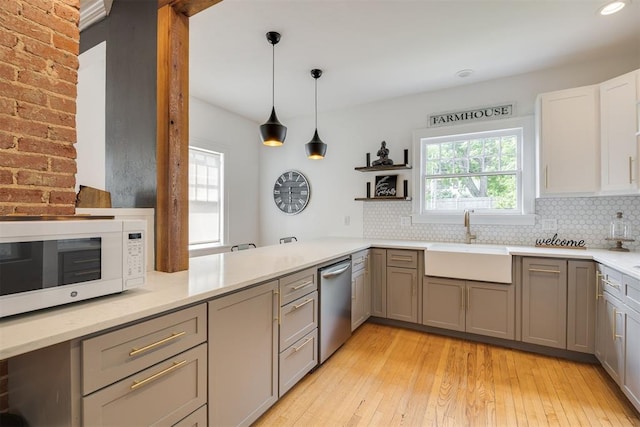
368 159
272 131
368 190
383 154
405 187
316 149
406 156
386 186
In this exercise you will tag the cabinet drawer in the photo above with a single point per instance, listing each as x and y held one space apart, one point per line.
297 319
195 419
611 281
298 284
402 258
158 396
359 261
631 292
297 361
115 355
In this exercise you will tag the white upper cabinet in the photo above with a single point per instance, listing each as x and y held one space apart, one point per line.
619 133
568 141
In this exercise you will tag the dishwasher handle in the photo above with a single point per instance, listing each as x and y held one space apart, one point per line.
336 270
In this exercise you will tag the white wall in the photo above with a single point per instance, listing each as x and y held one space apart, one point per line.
353 132
215 129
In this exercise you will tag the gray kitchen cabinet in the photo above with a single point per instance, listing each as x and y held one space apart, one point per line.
298 320
544 301
360 289
613 345
379 282
402 294
467 306
581 306
631 374
243 359
153 372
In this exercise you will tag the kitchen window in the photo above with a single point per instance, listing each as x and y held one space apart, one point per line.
206 201
486 167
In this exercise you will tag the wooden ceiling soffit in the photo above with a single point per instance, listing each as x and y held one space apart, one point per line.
188 7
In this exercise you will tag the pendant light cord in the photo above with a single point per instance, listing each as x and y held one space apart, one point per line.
316 104
273 75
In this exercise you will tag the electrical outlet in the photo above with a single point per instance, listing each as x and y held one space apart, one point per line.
405 221
550 224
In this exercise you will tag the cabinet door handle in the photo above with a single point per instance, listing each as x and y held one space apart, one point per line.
402 258
542 270
615 324
611 283
462 298
302 285
468 299
135 351
630 170
598 277
176 365
295 307
546 176
296 349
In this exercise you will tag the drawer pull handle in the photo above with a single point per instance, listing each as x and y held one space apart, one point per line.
295 288
542 270
401 258
610 283
136 384
296 349
136 351
295 307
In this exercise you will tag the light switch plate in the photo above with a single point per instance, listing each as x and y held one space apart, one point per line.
550 224
405 221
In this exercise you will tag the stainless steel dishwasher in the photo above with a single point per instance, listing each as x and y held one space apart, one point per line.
335 307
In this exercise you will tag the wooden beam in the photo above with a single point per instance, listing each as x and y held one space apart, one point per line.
188 7
172 151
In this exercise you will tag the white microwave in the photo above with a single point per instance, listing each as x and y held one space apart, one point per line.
49 263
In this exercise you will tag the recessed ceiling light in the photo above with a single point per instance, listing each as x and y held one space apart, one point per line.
612 7
464 73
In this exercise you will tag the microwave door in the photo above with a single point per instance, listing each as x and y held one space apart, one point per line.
21 267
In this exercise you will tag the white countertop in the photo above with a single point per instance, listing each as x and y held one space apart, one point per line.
215 275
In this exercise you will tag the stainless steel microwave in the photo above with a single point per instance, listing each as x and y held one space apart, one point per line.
49 263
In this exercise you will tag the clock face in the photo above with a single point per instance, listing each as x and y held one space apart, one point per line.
291 192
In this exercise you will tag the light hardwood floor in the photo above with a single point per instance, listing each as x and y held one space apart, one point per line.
386 376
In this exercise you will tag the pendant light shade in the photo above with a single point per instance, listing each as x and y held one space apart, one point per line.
272 131
316 149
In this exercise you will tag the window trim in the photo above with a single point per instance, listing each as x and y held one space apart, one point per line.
198 249
527 183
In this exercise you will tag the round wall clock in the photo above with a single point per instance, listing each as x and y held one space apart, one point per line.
291 192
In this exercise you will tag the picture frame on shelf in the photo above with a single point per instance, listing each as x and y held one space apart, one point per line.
386 186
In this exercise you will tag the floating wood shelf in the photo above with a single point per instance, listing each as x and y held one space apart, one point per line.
381 168
382 199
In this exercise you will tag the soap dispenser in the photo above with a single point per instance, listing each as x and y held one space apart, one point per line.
619 232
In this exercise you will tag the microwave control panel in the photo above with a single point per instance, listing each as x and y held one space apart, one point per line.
134 268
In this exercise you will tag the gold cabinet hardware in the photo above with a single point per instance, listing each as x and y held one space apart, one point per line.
598 278
402 258
307 283
176 365
542 270
468 299
295 307
175 335
307 341
462 297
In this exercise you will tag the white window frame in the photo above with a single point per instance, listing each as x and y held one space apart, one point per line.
197 249
526 160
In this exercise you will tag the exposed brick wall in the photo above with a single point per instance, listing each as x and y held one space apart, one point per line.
39 43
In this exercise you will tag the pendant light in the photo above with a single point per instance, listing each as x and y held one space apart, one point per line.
315 148
272 131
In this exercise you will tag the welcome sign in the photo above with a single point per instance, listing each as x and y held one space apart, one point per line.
477 114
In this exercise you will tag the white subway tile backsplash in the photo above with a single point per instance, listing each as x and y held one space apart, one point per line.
584 218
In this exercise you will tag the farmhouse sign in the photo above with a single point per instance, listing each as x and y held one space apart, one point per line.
477 114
